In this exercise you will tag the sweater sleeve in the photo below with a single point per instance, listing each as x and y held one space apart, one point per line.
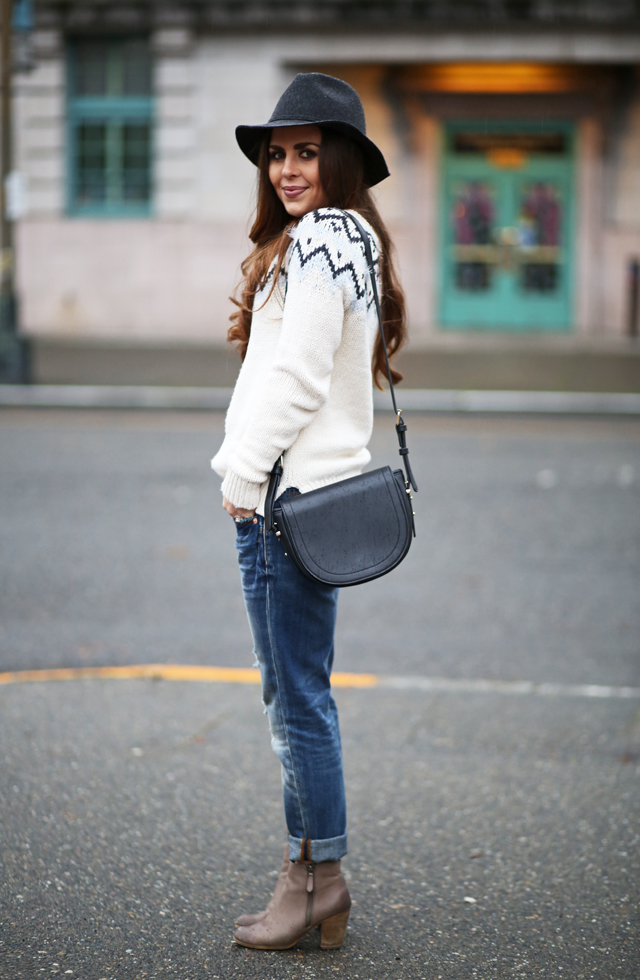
298 385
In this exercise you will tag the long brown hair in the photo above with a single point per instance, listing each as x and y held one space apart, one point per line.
341 176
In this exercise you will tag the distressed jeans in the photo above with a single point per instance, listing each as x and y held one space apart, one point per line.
292 621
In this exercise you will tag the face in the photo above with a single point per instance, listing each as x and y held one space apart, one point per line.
294 170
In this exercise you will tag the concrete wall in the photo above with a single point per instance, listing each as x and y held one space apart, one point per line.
40 126
146 279
169 277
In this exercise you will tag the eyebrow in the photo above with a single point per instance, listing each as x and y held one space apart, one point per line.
296 146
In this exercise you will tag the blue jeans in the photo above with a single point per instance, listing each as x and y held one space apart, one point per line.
292 621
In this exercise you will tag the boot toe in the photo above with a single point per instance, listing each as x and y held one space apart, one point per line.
243 936
249 920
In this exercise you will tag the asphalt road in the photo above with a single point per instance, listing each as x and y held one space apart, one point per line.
137 818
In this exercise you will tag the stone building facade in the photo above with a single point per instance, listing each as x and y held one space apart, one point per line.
511 127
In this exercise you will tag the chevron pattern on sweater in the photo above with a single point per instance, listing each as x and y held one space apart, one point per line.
322 239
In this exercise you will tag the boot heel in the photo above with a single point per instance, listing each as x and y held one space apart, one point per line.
333 931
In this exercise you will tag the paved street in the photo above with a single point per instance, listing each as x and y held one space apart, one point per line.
492 834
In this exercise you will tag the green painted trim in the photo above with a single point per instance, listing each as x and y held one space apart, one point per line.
110 108
565 169
109 211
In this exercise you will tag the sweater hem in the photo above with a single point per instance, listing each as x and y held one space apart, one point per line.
241 493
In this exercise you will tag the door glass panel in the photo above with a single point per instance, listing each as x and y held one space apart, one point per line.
473 219
539 223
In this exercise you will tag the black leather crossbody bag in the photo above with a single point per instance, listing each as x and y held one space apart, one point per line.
355 530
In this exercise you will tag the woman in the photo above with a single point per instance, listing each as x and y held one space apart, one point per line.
307 330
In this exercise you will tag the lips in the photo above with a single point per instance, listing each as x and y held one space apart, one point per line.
293 192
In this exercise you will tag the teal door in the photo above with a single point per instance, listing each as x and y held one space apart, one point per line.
506 229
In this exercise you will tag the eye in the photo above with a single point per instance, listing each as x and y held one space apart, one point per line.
308 154
276 155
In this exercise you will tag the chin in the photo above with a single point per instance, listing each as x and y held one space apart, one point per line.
295 208
298 209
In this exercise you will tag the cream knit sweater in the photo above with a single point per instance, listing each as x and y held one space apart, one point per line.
305 387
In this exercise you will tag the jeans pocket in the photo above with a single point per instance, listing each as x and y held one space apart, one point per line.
244 527
247 540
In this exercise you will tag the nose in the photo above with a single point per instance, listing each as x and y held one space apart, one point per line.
290 168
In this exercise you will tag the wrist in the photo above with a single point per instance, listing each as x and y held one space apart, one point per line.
241 494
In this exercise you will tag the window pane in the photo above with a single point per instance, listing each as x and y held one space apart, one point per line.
91 61
111 112
112 67
136 69
136 147
91 163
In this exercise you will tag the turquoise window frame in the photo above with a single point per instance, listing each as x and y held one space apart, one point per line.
107 110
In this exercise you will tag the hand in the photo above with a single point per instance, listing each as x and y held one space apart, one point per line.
236 511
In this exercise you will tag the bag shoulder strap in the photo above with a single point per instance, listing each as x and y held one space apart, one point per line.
401 427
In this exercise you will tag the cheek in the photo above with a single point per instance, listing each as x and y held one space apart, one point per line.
313 176
275 172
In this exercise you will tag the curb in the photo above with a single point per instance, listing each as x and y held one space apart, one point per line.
410 399
113 396
521 402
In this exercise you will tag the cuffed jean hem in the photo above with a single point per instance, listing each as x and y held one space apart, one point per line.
304 849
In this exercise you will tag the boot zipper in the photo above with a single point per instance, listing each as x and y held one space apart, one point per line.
309 894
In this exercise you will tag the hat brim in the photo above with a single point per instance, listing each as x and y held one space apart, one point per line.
375 166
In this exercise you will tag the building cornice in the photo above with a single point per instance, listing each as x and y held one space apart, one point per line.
345 15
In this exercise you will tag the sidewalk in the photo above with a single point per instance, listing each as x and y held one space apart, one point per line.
408 399
450 362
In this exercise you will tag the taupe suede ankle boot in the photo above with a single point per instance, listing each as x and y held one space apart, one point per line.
312 895
248 920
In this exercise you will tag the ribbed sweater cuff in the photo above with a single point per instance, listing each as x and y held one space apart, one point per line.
240 492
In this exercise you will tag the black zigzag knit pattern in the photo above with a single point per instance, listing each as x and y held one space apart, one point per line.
329 242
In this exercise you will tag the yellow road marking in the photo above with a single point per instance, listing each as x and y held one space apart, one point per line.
239 675
167 672
354 680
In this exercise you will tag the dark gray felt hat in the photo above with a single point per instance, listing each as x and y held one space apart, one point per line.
319 100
